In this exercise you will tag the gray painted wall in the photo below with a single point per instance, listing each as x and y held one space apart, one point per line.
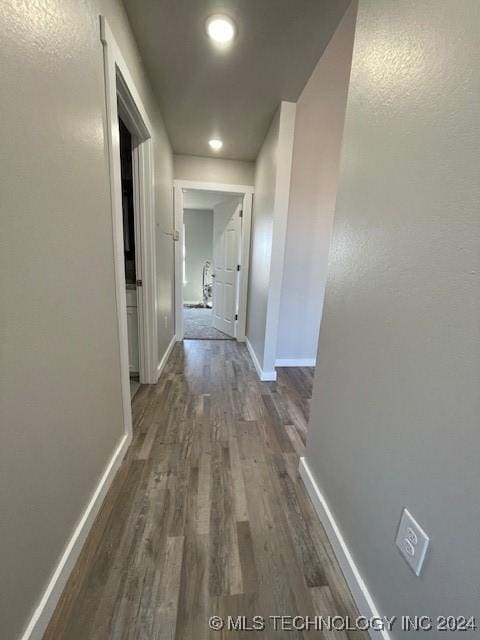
396 406
269 222
61 408
319 124
204 169
261 239
198 249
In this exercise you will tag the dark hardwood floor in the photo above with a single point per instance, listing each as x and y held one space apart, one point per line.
207 514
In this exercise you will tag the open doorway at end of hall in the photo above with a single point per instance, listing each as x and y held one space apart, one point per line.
212 228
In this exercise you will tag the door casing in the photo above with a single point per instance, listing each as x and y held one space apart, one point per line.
122 98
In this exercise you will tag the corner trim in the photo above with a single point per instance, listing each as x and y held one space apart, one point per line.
166 355
296 362
358 588
49 600
265 376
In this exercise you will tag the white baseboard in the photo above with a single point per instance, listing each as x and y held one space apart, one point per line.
296 362
265 376
42 614
166 355
358 588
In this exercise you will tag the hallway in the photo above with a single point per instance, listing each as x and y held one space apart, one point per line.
207 514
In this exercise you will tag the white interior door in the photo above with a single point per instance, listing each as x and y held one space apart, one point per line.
226 250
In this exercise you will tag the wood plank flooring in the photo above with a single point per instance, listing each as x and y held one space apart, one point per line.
207 514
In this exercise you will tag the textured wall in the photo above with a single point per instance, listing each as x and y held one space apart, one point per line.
213 170
395 413
319 123
199 248
261 239
269 221
61 408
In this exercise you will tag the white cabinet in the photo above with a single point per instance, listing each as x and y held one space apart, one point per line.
132 326
131 298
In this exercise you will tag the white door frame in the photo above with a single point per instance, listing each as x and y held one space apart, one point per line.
120 86
247 192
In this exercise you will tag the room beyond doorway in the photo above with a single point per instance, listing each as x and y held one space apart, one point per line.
212 225
212 260
130 236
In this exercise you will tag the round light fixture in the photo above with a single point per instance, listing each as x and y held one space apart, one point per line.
221 28
215 144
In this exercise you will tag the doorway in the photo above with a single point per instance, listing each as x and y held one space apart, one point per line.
130 234
212 260
212 225
129 142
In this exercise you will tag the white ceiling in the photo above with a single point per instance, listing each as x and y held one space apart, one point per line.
204 92
196 199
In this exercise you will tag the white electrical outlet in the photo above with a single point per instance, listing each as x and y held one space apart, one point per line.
412 541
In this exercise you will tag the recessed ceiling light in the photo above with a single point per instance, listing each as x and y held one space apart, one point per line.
221 28
215 144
